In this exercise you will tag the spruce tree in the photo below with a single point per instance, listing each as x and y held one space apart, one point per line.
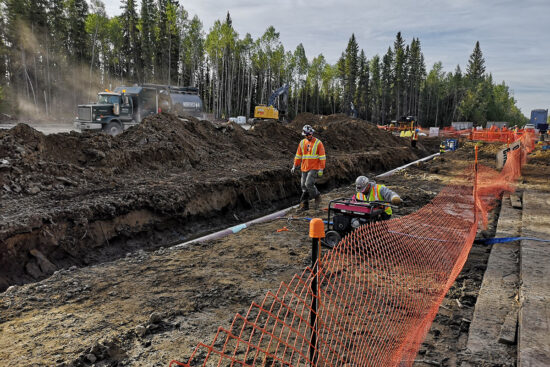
77 38
162 42
398 73
132 48
475 70
362 95
386 86
351 69
375 89
147 38
58 24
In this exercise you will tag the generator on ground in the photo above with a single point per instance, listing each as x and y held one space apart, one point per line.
346 215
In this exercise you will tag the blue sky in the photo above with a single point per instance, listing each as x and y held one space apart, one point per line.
514 34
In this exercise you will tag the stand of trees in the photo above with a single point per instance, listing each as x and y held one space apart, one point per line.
55 54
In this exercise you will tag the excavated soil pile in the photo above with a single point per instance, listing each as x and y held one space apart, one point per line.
77 199
32 161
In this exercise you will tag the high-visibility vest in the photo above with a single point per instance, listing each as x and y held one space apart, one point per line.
374 195
414 135
311 155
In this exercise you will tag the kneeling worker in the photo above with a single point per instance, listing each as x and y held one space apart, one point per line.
442 147
371 191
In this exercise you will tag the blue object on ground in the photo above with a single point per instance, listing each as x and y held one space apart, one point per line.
491 241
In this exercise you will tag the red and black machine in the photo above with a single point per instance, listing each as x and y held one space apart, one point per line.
346 215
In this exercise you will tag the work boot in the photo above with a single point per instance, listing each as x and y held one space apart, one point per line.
304 202
317 202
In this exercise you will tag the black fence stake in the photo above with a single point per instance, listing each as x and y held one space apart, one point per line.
316 232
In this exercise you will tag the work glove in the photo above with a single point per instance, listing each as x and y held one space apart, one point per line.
293 169
320 173
396 200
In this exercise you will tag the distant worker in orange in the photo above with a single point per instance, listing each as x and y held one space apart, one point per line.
414 138
311 158
367 190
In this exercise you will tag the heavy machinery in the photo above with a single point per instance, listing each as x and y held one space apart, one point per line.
346 215
539 119
405 123
269 112
124 107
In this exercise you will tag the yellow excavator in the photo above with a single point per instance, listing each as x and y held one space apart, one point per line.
269 112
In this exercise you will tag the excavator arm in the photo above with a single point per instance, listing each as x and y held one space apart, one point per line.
283 91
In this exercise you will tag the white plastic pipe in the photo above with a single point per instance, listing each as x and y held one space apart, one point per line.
235 229
389 173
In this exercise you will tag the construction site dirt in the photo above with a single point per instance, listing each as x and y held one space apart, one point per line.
87 221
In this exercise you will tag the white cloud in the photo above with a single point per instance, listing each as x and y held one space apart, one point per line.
513 34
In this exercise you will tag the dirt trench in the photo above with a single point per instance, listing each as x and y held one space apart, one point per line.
82 199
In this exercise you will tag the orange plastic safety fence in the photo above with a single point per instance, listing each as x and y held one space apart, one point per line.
380 288
500 136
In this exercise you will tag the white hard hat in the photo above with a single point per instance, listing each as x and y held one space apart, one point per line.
361 183
307 130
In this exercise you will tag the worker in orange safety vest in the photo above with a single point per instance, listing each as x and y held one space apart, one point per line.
371 191
311 158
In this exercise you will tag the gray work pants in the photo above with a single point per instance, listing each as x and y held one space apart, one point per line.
308 183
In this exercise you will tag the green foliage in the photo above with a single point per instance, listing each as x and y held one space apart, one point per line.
476 65
362 93
350 70
52 43
131 46
77 38
146 27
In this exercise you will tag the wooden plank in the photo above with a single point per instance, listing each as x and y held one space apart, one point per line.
496 299
509 328
534 314
516 201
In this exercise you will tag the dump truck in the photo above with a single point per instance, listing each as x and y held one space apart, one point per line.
124 107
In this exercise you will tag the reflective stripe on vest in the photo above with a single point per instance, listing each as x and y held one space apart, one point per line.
375 196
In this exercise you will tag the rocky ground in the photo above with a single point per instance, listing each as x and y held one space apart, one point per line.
120 296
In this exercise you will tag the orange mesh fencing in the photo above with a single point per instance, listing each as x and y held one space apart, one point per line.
499 135
378 289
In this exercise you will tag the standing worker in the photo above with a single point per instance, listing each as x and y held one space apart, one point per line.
414 138
371 191
312 159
